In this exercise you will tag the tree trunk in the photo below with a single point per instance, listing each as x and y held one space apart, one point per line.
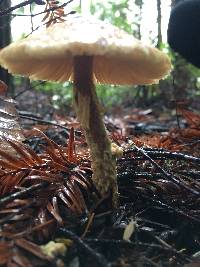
159 24
139 3
5 33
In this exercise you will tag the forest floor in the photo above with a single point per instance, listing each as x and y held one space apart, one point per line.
51 214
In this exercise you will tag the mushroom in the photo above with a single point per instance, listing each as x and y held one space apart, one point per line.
85 50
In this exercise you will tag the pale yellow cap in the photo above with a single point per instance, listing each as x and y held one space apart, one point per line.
119 58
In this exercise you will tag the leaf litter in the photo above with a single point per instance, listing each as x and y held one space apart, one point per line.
47 198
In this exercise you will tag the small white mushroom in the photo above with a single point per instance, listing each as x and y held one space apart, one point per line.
86 50
129 230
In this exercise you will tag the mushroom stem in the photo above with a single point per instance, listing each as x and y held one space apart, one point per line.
88 111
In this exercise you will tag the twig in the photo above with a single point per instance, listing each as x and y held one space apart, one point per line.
43 121
124 243
42 12
32 26
78 133
21 193
160 153
9 10
132 173
90 219
176 210
150 262
130 244
168 175
141 219
167 246
33 229
28 88
100 259
20 210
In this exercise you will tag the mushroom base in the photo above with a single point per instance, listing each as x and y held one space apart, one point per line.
88 111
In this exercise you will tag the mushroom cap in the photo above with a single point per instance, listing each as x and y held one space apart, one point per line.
119 58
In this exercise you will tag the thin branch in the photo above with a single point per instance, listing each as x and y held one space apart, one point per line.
42 12
32 27
22 193
28 88
100 259
130 244
166 174
173 209
9 10
43 121
168 154
7 218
